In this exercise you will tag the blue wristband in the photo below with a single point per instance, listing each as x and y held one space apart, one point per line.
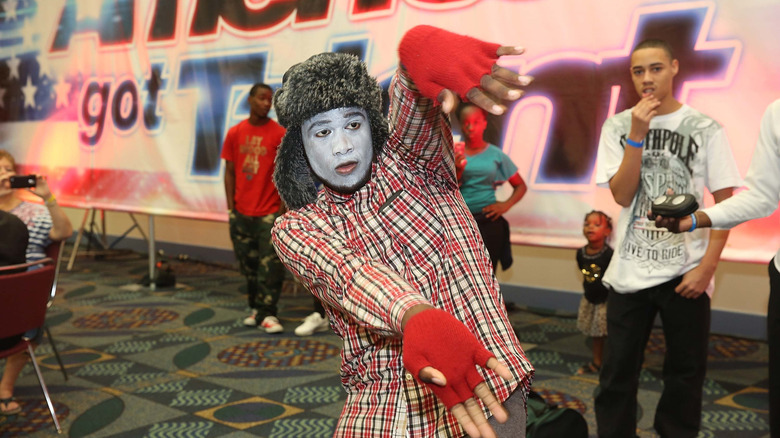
634 144
693 220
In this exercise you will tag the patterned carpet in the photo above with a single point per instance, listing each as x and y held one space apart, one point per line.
178 362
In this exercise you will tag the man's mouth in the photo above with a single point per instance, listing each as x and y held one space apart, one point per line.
346 168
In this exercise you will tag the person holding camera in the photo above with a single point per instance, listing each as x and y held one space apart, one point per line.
45 223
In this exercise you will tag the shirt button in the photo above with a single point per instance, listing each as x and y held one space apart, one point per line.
409 377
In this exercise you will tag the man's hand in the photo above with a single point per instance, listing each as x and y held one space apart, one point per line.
443 354
674 225
469 413
695 282
500 86
641 114
446 67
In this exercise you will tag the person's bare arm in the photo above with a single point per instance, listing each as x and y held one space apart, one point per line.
61 227
625 182
230 184
695 281
494 211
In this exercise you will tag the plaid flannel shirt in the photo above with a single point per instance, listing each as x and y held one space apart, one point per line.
405 238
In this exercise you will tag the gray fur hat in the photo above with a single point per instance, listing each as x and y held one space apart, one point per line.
321 83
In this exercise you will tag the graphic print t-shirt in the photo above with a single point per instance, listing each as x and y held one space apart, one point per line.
252 149
685 151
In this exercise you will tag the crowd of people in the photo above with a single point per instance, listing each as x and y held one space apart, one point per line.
397 232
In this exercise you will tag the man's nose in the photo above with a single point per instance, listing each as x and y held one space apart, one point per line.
341 144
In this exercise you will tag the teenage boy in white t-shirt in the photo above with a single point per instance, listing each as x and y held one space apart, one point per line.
657 145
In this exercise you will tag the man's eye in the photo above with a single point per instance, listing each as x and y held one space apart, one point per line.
353 125
322 133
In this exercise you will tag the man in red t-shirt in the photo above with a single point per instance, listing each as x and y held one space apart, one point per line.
249 151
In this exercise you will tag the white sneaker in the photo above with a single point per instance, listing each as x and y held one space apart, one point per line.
271 325
251 320
312 323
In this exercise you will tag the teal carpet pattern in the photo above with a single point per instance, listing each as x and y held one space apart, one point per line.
177 362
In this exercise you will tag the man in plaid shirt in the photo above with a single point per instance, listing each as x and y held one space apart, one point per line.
389 246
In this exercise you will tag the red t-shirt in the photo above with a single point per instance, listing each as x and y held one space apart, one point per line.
252 149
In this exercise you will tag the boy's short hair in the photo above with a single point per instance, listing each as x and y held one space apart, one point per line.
655 43
257 86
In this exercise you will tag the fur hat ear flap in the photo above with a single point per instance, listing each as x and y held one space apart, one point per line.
292 174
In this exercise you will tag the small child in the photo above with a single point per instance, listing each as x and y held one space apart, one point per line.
593 260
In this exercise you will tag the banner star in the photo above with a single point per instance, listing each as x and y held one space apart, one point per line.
29 93
9 7
13 67
62 89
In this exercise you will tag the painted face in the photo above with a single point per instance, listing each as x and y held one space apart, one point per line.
6 171
338 146
473 123
652 72
595 228
260 103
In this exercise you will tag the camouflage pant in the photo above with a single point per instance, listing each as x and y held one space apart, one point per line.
264 272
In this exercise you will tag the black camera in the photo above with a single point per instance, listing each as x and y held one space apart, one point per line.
674 205
22 181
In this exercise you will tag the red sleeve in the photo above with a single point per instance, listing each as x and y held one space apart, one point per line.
516 180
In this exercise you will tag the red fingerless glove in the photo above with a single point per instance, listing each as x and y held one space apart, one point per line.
437 59
435 338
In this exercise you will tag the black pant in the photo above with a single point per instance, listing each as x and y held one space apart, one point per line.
495 234
686 326
773 338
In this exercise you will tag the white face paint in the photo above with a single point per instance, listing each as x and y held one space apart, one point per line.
338 146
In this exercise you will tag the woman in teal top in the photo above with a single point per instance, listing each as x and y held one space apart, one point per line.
482 167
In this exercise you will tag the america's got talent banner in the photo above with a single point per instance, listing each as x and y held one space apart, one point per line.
125 103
